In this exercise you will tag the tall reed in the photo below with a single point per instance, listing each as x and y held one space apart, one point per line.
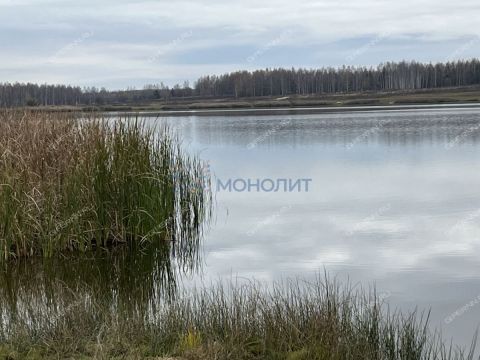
75 184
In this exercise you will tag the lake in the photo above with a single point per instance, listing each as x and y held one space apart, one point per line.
393 201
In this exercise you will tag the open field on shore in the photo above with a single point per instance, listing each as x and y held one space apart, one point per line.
411 98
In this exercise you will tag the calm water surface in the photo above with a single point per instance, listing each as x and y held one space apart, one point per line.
394 201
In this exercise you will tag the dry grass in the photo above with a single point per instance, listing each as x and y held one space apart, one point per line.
293 320
72 185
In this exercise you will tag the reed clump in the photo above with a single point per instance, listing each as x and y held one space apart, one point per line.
70 183
293 320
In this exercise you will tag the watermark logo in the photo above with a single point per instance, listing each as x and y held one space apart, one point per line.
462 136
268 220
365 48
363 224
202 182
68 48
170 46
76 216
379 299
262 50
268 133
366 134
460 311
463 224
462 49
263 185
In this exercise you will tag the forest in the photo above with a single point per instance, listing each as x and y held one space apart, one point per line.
389 76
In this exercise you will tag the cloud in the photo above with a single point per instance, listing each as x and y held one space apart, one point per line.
223 33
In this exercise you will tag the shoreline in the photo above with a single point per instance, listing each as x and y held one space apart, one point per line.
297 110
465 97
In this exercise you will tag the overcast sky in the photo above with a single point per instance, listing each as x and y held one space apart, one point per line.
117 44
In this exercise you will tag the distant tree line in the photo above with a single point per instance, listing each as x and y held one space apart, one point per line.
17 94
31 94
269 82
385 77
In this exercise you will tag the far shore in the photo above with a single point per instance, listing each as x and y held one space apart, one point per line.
298 110
464 97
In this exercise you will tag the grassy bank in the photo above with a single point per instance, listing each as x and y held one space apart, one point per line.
76 185
293 320
371 98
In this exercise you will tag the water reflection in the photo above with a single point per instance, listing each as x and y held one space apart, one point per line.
127 281
343 129
394 200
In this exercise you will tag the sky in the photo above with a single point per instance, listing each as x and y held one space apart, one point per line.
120 44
